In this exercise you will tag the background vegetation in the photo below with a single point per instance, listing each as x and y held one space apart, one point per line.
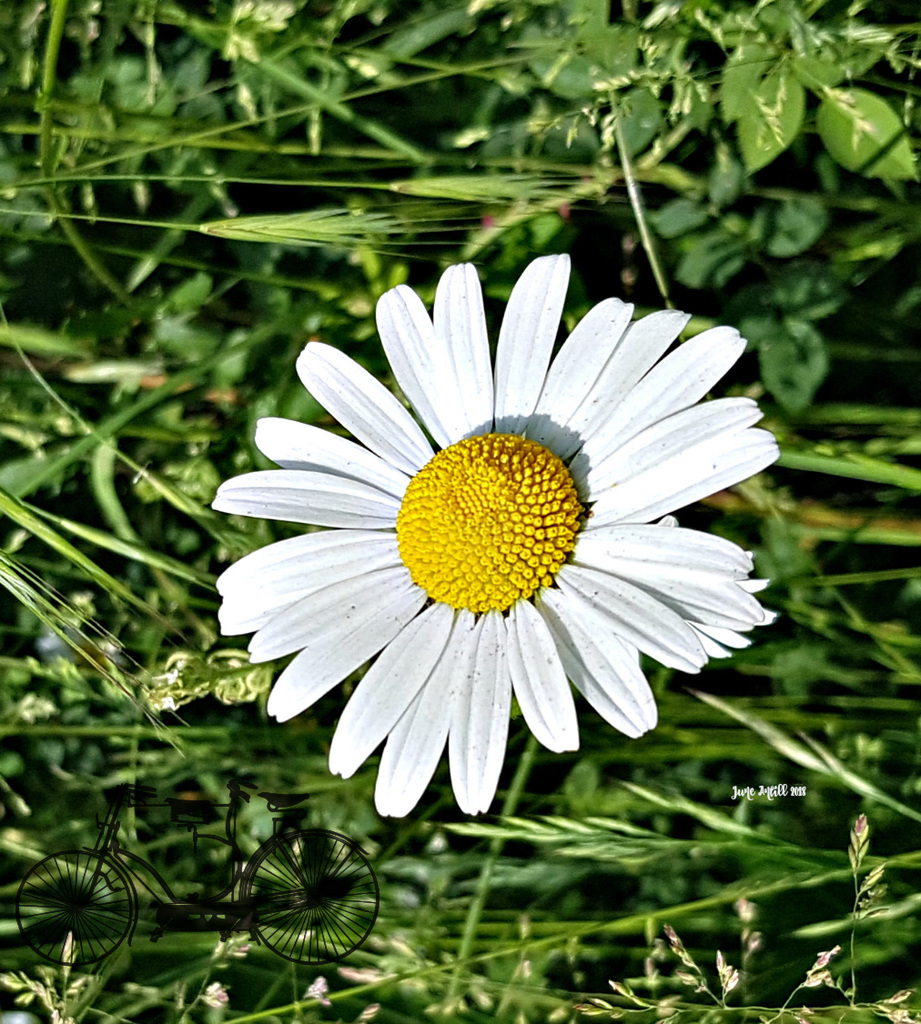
191 191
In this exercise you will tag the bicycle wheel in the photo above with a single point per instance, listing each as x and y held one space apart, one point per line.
314 895
76 907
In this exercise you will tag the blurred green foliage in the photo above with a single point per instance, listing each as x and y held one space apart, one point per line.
189 192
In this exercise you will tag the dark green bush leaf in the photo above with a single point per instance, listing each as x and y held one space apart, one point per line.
808 290
640 120
791 227
711 260
864 134
679 217
771 118
746 67
793 358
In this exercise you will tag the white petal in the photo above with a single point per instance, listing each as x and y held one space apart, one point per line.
526 339
680 380
603 668
363 406
648 544
459 659
388 688
573 374
669 437
267 580
319 499
353 612
460 326
479 719
539 680
696 473
636 617
422 367
713 638
641 347
300 446
299 685
696 598
344 647
415 744
693 593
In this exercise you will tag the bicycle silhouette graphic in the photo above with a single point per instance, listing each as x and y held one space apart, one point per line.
309 895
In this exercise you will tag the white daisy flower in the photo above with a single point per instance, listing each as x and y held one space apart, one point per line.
521 549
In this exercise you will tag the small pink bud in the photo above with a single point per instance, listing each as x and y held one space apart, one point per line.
215 996
825 958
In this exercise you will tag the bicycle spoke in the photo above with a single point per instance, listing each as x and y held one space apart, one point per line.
316 895
75 907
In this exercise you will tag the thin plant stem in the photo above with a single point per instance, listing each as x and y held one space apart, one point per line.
46 154
49 79
639 211
475 912
855 914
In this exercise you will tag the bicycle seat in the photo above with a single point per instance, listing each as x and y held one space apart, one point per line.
281 801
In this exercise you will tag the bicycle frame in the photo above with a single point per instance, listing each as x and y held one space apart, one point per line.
108 843
309 895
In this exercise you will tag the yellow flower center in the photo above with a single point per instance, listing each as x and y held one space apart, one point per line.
487 521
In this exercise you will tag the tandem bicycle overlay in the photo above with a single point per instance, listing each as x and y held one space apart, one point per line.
307 894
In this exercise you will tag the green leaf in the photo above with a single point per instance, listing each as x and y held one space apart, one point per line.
808 290
746 67
864 134
794 360
726 178
679 217
570 75
711 260
819 70
41 342
191 295
791 227
854 466
641 120
771 118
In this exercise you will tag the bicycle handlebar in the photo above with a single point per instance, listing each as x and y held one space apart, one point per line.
235 791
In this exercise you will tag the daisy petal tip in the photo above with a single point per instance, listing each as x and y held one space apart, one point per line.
306 356
280 707
270 434
564 745
337 767
220 499
309 361
227 626
549 263
393 805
